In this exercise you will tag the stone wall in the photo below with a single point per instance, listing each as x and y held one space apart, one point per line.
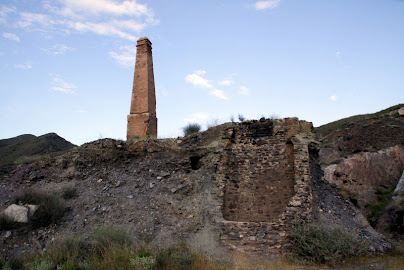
265 176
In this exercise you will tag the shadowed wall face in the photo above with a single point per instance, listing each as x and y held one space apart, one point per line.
142 120
262 178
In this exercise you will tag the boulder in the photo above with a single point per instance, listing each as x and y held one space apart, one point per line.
17 213
20 213
362 175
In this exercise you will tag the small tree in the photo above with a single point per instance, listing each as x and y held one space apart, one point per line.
191 128
241 117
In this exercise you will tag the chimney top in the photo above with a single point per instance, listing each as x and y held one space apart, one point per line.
143 40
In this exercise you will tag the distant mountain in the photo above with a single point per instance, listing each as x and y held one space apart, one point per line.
28 147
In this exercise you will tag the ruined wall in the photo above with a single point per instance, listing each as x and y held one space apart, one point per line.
266 184
260 176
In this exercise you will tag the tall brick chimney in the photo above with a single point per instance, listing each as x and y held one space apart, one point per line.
142 120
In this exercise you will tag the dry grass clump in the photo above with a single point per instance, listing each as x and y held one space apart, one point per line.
69 191
191 129
317 244
51 206
111 247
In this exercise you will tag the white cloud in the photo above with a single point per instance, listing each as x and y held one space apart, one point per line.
4 10
80 111
261 5
244 91
129 25
124 19
62 86
334 98
100 7
225 82
218 93
197 80
200 72
28 19
58 49
101 29
11 36
26 65
127 57
197 118
338 54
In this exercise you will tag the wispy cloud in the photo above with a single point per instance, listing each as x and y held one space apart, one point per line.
4 10
28 19
197 80
125 19
261 5
225 82
103 7
58 49
244 90
334 98
199 117
80 111
26 65
62 86
338 55
11 36
127 57
106 29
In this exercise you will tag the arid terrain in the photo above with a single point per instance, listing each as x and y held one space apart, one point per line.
237 187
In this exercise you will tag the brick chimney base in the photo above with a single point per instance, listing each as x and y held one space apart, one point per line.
141 125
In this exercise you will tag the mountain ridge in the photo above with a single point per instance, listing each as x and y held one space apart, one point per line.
28 147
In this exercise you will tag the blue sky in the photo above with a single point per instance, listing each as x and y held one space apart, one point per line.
66 66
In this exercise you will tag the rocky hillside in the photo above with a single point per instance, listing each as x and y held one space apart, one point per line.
362 133
212 190
364 156
26 148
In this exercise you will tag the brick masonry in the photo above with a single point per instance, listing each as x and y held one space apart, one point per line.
265 179
142 120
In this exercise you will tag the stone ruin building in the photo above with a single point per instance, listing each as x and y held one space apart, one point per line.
236 186
264 175
142 120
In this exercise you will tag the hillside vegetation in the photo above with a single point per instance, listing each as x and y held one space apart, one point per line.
364 133
27 148
332 127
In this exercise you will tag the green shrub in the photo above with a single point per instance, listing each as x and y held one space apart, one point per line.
6 223
68 251
31 159
317 244
144 263
183 259
191 129
51 207
108 235
69 191
377 209
11 263
179 258
114 257
41 265
241 118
